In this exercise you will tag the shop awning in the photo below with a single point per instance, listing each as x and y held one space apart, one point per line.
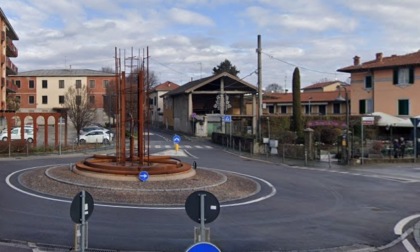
387 120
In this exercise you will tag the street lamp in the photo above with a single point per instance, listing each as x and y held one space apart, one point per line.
345 99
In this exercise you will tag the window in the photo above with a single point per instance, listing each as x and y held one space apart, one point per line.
78 83
44 99
283 109
92 99
270 109
61 84
337 108
365 106
368 82
308 109
61 99
106 83
44 84
31 84
78 100
403 107
92 84
17 83
31 99
403 75
322 109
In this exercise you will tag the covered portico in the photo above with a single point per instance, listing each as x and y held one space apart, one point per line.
200 107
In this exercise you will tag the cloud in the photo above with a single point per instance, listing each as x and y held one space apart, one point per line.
187 17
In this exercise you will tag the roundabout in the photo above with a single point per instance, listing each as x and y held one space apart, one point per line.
62 182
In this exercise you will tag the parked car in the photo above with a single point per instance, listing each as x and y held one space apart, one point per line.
89 128
16 134
95 136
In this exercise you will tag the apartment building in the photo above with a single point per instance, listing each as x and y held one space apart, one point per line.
44 90
7 51
389 85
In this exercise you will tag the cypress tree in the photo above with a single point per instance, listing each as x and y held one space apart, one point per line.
297 124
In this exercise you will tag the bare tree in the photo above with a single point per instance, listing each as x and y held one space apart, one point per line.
80 109
274 88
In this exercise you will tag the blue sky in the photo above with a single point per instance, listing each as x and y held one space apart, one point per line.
187 38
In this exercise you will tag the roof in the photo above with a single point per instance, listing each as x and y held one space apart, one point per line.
231 82
385 62
321 85
304 97
166 86
62 73
10 31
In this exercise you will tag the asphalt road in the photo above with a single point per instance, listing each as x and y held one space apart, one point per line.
310 209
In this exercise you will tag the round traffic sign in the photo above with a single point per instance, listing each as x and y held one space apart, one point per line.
203 247
143 176
211 206
176 139
76 207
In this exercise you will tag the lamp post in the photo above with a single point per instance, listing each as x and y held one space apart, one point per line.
346 99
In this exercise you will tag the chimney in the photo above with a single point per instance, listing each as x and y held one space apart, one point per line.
356 60
379 57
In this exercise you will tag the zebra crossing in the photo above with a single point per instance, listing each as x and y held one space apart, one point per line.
169 146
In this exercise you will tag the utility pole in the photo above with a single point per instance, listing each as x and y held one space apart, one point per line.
259 137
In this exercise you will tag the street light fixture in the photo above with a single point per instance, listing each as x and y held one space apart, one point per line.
347 132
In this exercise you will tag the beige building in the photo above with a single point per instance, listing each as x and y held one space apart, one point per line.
44 90
156 101
7 51
389 85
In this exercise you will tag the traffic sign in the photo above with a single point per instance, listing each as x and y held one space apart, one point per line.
211 206
227 118
76 207
368 120
176 139
203 247
143 176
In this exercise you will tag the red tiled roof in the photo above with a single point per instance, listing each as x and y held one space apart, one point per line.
385 62
305 97
320 85
166 86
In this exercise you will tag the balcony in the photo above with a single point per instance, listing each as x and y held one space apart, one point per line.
11 50
11 87
3 59
3 36
11 69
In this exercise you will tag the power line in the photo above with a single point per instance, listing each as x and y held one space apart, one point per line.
301 67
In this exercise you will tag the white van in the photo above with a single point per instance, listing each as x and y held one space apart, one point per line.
16 134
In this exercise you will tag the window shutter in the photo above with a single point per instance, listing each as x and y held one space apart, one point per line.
395 77
411 75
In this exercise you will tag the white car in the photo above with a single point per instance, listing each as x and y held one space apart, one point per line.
16 134
95 136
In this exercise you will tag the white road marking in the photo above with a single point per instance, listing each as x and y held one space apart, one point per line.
271 194
399 230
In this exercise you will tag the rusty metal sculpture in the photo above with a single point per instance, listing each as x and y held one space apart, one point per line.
121 165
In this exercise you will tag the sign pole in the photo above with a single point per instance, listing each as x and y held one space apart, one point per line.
361 158
82 209
202 218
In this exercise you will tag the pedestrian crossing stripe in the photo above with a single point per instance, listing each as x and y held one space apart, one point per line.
158 146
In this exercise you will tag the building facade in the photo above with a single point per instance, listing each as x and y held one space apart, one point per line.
7 51
156 101
389 85
326 98
44 90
